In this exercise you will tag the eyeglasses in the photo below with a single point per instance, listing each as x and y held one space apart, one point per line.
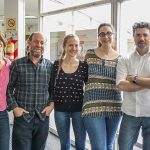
103 34
141 25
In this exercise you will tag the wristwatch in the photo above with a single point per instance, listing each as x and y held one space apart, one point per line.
135 79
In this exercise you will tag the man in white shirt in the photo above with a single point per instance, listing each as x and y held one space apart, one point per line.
133 78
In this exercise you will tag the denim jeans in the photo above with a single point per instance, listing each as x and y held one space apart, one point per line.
129 132
62 121
101 131
4 130
29 136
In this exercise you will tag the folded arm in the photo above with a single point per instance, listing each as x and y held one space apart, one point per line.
124 81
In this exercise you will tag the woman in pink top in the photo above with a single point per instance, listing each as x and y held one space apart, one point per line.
4 79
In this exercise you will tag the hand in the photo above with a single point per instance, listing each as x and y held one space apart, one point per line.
129 78
48 109
19 111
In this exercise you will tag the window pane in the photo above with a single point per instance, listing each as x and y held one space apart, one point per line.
131 11
50 5
90 18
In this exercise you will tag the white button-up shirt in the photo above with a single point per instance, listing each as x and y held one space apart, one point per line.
135 103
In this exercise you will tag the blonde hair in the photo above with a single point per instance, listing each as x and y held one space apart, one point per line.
3 39
66 38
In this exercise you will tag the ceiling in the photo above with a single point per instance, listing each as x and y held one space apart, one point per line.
29 9
32 9
31 6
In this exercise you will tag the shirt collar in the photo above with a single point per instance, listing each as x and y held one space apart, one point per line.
136 52
29 60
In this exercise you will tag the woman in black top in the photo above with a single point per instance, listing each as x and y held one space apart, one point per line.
70 75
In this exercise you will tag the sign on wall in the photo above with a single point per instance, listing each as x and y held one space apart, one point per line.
11 24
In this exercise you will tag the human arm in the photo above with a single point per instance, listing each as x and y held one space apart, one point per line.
85 72
144 82
19 111
11 100
50 106
13 76
122 81
128 86
48 109
52 81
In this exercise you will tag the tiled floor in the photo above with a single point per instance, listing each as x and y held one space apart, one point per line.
53 142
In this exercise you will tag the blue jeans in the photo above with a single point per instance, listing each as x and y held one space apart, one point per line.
101 131
29 136
129 132
62 121
4 130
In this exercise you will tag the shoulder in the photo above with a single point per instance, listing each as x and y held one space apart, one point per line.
47 61
55 65
83 67
115 53
19 60
89 54
18 63
56 62
22 59
126 57
83 63
47 64
8 62
90 51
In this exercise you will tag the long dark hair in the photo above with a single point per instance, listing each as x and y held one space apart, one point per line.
103 25
4 41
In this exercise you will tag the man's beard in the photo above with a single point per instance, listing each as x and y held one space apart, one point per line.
36 53
142 46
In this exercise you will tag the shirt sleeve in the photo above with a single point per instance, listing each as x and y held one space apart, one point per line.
11 101
86 72
52 81
121 70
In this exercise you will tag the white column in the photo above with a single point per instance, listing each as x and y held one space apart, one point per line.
16 9
115 18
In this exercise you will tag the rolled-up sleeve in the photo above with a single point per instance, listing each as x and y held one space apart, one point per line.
121 70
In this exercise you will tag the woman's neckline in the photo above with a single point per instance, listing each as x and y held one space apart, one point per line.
69 73
104 58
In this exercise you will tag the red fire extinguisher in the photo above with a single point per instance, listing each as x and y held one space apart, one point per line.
10 50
